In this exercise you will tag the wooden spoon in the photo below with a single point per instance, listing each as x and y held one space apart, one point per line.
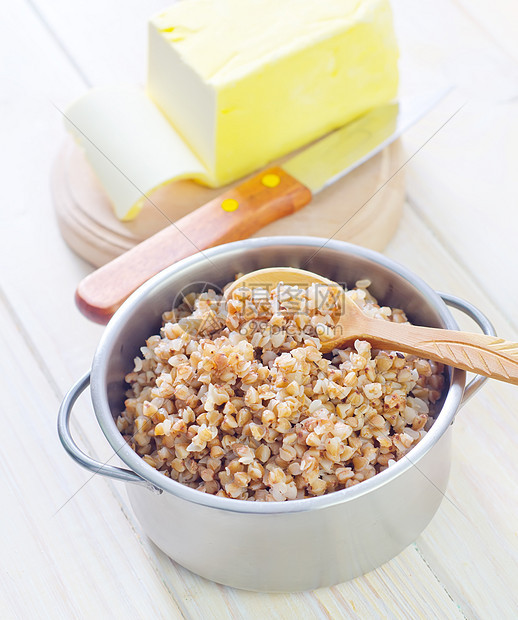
485 355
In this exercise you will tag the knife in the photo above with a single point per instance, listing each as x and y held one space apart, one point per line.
246 208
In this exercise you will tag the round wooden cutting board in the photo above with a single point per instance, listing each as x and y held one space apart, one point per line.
354 209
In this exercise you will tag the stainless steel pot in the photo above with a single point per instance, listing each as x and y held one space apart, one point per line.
294 545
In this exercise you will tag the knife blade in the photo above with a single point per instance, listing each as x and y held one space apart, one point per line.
337 154
243 210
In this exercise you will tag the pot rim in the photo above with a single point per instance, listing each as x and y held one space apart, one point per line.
137 464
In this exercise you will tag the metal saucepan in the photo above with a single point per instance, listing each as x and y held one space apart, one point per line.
269 546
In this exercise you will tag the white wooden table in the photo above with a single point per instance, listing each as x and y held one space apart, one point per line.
70 546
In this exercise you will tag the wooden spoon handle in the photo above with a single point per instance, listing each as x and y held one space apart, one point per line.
234 215
485 355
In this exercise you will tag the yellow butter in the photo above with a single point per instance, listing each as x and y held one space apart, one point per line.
232 85
247 81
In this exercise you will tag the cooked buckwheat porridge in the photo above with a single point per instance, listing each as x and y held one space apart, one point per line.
235 398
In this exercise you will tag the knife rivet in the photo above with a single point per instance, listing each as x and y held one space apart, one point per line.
271 180
229 204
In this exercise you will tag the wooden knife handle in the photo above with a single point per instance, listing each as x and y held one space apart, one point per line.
234 215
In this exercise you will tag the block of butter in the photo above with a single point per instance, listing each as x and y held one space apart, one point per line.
246 81
233 85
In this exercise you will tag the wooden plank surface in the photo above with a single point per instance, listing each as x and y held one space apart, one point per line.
91 559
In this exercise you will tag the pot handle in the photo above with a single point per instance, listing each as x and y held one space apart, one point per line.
78 455
485 325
